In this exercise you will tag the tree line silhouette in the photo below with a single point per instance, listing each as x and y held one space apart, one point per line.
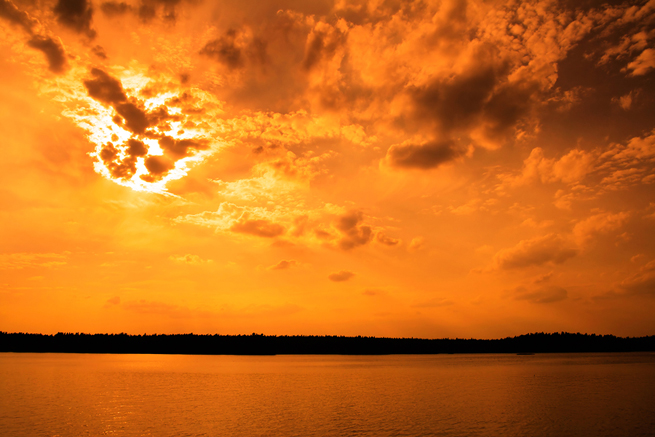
260 344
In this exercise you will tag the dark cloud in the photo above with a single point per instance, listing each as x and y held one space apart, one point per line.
342 276
421 156
160 115
482 96
259 228
187 103
108 153
123 165
10 12
322 234
358 12
235 50
509 104
51 48
147 12
120 168
109 90
112 9
353 232
535 252
135 117
457 101
267 53
158 167
386 240
225 50
53 51
182 148
136 148
542 295
99 51
105 88
321 43
76 15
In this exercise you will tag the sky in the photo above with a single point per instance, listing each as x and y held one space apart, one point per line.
394 168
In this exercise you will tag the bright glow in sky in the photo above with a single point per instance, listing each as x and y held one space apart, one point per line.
389 168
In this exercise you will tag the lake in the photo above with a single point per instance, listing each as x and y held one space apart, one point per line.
318 395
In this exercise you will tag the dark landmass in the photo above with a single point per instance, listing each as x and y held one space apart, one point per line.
259 344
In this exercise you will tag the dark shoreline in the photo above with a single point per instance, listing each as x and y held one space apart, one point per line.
259 344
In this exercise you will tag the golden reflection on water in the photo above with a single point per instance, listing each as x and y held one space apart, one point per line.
449 395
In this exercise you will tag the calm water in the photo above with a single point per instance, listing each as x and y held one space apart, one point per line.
443 395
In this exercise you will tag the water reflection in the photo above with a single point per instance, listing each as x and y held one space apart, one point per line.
449 395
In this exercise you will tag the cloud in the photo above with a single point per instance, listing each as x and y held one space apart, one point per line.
374 292
541 279
421 156
133 116
283 265
10 12
52 48
538 251
242 219
190 259
53 51
380 237
353 232
113 301
556 249
619 166
182 148
76 15
585 230
416 244
105 88
641 283
157 167
570 168
225 50
625 101
622 160
99 51
167 9
643 63
121 155
457 101
17 261
542 295
342 276
322 42
479 100
113 8
258 227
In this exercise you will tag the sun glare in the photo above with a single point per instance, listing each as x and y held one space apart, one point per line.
143 142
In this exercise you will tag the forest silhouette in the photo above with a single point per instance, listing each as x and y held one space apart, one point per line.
260 344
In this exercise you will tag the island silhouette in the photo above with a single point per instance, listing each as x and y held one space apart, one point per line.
260 344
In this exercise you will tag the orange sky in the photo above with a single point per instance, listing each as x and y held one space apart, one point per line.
391 168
